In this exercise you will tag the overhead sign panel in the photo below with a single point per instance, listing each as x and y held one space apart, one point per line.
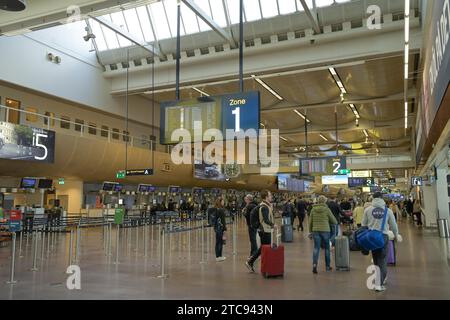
360 182
360 174
139 172
238 112
18 142
322 166
337 179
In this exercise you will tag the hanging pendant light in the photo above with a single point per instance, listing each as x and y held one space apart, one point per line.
12 5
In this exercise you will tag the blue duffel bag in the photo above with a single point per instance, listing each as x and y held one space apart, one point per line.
372 239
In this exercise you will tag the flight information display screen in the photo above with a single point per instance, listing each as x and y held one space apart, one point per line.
322 166
238 112
360 182
28 183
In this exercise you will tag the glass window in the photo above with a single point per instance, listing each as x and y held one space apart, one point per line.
133 23
171 10
100 40
159 19
218 13
233 10
324 3
79 125
13 112
145 23
308 2
31 117
110 36
51 118
269 8
105 131
189 20
119 20
204 5
92 128
252 10
115 134
286 6
65 122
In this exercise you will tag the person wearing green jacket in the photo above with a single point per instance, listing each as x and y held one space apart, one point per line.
319 228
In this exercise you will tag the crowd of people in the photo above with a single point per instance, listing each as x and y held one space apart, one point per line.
326 217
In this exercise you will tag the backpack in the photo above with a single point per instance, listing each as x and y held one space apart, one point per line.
212 216
254 217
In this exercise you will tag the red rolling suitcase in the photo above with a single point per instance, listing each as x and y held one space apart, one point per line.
272 260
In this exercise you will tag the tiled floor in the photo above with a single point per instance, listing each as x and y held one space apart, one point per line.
422 272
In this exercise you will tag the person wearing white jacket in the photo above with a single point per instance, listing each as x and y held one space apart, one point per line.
373 219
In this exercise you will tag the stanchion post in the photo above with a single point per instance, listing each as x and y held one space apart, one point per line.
110 240
70 247
20 244
137 237
35 250
77 244
163 274
13 259
202 240
43 244
234 239
145 241
117 245
48 240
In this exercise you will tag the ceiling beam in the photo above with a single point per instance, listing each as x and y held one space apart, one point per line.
124 33
286 106
312 20
350 126
286 146
210 22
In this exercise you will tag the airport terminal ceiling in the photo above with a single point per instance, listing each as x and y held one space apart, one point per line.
375 84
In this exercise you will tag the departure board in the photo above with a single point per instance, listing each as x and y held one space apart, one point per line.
322 166
237 112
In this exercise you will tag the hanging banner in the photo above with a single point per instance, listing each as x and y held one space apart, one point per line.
18 142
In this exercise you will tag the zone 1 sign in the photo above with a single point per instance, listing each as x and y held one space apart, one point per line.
240 111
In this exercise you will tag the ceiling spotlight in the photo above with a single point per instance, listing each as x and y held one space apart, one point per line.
323 137
283 138
13 5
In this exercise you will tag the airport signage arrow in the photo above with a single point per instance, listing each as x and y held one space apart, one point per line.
140 172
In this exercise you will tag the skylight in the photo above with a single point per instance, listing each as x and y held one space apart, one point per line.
158 20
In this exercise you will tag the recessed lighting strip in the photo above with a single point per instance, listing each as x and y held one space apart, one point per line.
268 88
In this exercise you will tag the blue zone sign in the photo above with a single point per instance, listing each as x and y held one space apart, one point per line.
240 111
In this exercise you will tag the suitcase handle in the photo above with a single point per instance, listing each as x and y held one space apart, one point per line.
278 236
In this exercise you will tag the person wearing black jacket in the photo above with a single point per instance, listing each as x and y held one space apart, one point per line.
220 227
336 211
267 224
250 205
301 212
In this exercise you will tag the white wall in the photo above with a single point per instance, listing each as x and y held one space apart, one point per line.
78 78
74 190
